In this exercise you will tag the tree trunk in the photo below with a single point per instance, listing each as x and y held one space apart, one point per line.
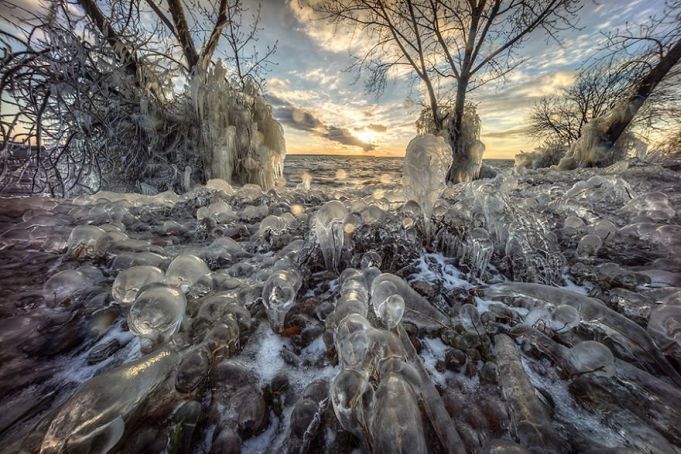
456 127
642 92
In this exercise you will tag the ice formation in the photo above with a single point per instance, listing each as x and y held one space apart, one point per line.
328 224
95 418
157 312
279 294
129 282
424 345
186 271
424 173
245 144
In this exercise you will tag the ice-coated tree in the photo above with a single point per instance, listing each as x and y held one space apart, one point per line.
449 45
115 94
655 47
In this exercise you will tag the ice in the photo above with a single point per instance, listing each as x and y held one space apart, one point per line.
351 397
664 326
279 296
245 144
589 245
95 417
186 271
564 318
604 229
652 205
306 181
396 422
591 357
390 311
218 184
82 242
218 210
64 285
157 312
424 172
328 224
128 282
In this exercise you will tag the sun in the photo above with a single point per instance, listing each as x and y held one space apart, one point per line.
365 135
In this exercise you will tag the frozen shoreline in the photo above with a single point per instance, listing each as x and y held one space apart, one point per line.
539 207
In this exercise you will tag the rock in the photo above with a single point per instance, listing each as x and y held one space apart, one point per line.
455 359
193 370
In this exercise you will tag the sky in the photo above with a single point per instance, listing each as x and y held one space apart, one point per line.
325 109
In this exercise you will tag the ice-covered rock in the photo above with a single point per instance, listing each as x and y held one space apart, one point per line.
64 285
82 242
424 172
186 271
129 282
279 295
157 312
591 357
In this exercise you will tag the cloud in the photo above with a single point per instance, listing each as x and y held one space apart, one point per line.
508 133
377 128
345 137
304 120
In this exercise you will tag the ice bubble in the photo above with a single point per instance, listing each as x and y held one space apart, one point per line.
589 245
341 174
279 296
93 419
306 181
348 325
573 223
372 214
426 164
129 282
185 271
248 193
83 241
157 312
64 285
564 318
653 205
604 229
219 184
219 210
351 397
390 311
354 349
592 357
664 326
328 224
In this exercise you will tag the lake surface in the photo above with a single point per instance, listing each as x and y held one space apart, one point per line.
354 171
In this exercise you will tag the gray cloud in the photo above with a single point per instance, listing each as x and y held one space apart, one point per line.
304 120
509 133
377 128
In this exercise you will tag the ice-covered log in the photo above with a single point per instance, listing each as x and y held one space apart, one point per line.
592 312
94 419
530 421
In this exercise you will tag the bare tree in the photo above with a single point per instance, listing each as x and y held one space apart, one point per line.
654 47
598 89
449 45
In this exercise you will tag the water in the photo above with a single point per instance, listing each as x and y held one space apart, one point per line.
359 170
